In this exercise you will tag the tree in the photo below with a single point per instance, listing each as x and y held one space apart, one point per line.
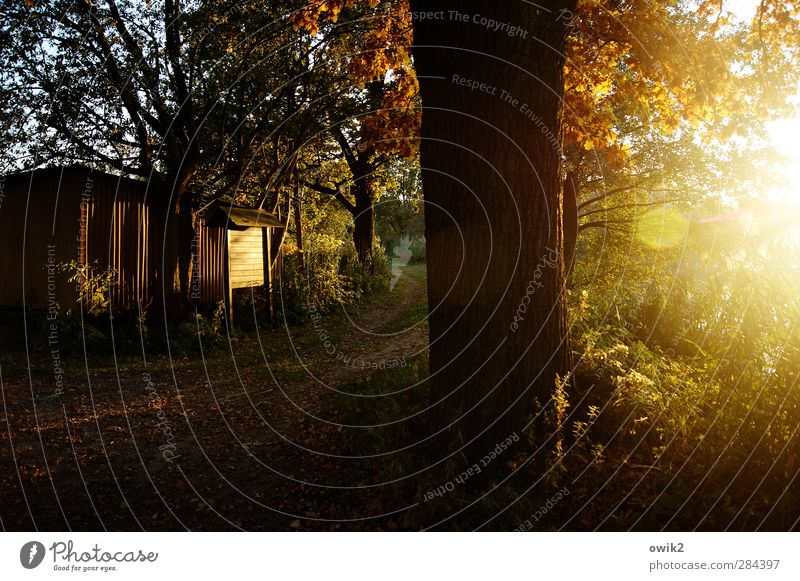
492 181
107 84
363 164
374 119
400 219
625 78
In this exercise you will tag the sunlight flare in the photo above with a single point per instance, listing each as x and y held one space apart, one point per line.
784 138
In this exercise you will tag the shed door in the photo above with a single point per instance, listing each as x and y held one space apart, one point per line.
246 257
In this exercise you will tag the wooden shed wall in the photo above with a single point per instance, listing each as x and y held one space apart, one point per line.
39 228
208 283
119 234
246 257
92 217
103 220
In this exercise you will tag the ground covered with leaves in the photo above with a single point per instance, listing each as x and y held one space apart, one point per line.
244 434
326 425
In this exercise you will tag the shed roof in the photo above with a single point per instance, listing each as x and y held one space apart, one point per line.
48 171
246 217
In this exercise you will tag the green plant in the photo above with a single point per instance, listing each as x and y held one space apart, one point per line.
94 286
210 329
418 250
332 275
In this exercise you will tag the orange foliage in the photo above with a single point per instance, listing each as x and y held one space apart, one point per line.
651 59
383 56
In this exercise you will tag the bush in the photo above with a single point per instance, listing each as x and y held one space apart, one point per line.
94 286
332 276
418 250
677 403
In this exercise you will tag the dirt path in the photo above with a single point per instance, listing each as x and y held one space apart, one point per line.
376 339
247 437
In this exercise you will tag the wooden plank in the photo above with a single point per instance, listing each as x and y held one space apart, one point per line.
254 257
247 250
247 284
227 278
240 271
266 269
245 267
240 249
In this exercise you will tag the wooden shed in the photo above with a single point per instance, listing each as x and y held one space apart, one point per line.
50 217
236 248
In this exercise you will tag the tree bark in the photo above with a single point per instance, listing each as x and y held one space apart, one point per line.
298 227
363 190
364 220
171 247
570 221
491 173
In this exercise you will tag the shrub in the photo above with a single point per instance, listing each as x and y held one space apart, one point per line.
94 286
332 276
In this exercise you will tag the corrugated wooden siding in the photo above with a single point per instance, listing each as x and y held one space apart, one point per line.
94 218
119 223
246 257
208 285
39 228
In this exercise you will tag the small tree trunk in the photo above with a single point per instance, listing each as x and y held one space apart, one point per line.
570 221
186 236
298 225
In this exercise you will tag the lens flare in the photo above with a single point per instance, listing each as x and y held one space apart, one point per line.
662 228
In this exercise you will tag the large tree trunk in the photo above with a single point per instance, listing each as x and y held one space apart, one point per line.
171 248
491 173
364 220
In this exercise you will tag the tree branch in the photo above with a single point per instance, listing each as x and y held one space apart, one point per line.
335 192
